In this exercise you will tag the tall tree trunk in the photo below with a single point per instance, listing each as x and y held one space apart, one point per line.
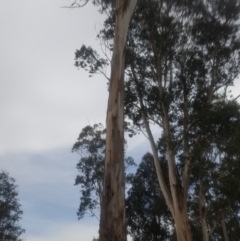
183 226
203 213
180 215
178 187
176 197
226 238
112 219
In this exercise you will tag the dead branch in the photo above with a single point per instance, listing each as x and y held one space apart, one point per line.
75 4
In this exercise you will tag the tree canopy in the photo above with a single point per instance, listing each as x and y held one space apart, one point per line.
181 59
10 209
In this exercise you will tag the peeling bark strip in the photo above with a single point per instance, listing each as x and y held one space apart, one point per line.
112 220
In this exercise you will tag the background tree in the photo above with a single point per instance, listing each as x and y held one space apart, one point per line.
91 145
148 217
210 184
170 82
10 209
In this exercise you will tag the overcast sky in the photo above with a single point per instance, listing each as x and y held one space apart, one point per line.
44 103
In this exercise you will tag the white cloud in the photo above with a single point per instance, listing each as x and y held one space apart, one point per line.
44 103
44 99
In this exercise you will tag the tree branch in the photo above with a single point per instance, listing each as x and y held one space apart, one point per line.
162 184
235 98
76 5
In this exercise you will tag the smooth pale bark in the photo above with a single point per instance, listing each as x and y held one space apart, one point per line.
182 223
178 187
162 184
225 233
203 213
175 197
112 219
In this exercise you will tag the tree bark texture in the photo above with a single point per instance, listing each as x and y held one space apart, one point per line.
112 219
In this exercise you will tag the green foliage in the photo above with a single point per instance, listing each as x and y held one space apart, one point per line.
10 209
191 49
148 217
91 145
88 59
104 4
217 167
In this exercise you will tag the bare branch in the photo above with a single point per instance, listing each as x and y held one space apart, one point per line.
165 191
235 98
104 74
76 5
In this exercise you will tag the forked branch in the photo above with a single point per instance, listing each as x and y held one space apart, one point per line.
75 4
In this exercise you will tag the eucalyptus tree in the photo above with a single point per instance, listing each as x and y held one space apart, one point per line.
181 57
178 80
90 145
226 206
214 182
112 220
